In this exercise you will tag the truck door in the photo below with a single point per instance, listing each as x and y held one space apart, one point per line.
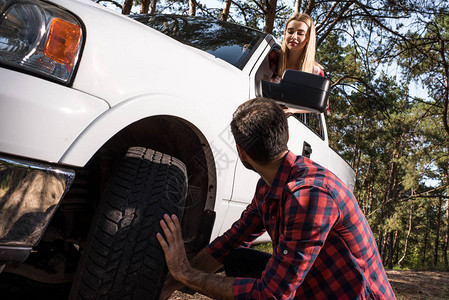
308 137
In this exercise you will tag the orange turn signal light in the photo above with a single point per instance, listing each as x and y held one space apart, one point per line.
63 42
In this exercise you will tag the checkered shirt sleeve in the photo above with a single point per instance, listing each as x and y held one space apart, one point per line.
323 247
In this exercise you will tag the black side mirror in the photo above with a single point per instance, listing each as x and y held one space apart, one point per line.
299 90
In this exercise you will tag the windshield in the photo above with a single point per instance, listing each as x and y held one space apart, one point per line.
231 42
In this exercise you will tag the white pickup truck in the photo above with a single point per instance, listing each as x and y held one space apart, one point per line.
107 122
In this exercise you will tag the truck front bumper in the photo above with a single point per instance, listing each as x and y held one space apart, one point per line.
29 195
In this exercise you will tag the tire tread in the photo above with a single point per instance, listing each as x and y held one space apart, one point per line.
124 260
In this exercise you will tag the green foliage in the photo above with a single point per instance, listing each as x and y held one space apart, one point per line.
266 247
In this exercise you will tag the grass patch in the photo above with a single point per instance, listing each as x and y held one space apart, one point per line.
268 247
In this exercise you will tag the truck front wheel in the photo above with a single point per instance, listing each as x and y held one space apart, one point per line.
122 258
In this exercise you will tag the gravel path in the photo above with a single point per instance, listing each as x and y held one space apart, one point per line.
182 296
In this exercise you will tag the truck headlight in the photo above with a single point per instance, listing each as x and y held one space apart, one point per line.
39 38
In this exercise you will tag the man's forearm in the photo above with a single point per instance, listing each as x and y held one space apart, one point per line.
203 261
202 278
215 286
209 284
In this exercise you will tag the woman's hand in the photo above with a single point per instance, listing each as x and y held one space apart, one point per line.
291 111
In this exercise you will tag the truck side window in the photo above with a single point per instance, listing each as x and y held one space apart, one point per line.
273 60
312 121
267 69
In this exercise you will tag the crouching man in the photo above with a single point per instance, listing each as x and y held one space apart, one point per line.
323 247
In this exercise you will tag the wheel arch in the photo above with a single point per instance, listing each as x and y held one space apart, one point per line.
113 133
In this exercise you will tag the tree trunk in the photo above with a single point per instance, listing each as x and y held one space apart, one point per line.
310 7
227 7
426 240
446 86
446 237
371 197
381 244
392 248
397 248
389 247
153 7
270 16
386 248
126 10
192 8
298 4
437 231
407 238
145 6
357 160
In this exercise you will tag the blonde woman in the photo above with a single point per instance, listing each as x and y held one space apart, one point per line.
298 46
298 50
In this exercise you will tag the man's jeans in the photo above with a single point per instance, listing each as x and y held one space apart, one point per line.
246 262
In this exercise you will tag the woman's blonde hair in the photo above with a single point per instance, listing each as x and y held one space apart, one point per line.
307 59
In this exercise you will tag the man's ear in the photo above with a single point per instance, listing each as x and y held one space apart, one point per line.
242 153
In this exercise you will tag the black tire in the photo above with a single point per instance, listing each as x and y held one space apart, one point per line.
122 258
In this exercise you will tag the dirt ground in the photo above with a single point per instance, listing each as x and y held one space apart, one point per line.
419 284
407 285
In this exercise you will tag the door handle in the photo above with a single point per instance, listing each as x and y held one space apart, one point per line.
306 149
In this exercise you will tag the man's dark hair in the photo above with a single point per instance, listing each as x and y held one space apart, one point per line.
260 128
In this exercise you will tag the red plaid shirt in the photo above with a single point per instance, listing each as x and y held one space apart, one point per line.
323 247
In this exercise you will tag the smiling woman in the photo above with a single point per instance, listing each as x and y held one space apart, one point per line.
298 51
298 46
